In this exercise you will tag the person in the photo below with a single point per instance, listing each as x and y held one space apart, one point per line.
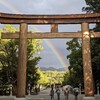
58 93
52 93
66 93
76 91
36 90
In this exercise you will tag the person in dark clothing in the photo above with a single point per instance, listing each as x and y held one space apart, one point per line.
76 93
52 93
58 93
36 90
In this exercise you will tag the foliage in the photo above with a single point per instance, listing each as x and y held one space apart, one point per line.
9 61
43 78
75 57
9 58
54 77
94 7
75 75
72 79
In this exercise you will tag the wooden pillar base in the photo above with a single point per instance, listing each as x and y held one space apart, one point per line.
20 98
88 98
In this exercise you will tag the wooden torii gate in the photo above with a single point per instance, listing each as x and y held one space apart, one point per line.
53 20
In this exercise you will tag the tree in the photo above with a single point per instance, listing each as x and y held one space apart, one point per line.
9 58
55 77
75 57
43 78
75 75
94 7
8 51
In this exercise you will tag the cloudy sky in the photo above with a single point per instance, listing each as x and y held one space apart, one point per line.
54 53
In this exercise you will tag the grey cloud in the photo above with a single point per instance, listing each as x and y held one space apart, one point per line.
49 7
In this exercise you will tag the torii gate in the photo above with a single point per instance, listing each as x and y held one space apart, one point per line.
53 20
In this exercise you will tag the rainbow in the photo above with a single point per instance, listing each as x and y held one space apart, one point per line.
9 6
56 52
12 9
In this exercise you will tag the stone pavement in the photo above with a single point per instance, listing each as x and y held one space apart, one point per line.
44 95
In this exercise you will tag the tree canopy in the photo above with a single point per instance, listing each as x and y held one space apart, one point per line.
94 7
75 74
9 58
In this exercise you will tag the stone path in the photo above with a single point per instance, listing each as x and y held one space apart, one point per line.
44 95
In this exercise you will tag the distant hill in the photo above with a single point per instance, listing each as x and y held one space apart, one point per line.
52 69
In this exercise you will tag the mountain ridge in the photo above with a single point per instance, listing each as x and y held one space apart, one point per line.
52 69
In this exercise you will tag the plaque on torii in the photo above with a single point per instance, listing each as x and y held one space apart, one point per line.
53 20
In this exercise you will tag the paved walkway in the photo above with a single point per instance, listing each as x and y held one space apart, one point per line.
44 95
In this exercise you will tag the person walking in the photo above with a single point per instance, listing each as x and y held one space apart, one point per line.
66 93
36 90
58 92
52 93
76 91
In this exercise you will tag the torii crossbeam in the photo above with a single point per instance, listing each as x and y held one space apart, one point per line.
53 20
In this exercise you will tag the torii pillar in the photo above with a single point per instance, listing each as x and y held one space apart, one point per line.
87 66
22 62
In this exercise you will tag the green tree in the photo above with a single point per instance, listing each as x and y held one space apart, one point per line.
75 74
75 56
9 58
94 7
43 78
54 77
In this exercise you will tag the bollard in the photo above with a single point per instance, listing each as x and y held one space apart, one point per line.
29 89
10 89
80 85
98 85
